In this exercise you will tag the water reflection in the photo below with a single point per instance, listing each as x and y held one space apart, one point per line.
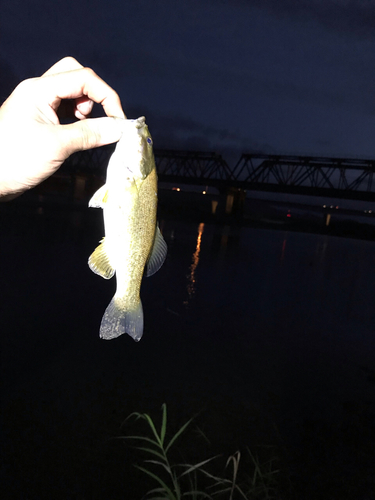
320 250
283 247
191 288
225 237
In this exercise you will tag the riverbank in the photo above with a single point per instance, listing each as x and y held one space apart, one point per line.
196 207
266 214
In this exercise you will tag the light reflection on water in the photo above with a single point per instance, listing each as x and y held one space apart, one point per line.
191 278
253 280
283 247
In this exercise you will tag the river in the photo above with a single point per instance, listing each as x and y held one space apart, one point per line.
268 333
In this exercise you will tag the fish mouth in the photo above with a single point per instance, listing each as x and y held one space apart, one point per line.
140 122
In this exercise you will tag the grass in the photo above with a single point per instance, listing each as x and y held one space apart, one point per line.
208 478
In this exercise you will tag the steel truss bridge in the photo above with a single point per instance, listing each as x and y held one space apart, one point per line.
303 175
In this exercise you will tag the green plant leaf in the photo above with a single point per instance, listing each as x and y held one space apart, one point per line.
163 423
219 480
143 438
164 465
153 428
178 433
199 432
153 452
224 490
157 490
168 491
134 414
198 466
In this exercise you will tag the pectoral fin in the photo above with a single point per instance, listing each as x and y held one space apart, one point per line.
100 198
99 262
157 254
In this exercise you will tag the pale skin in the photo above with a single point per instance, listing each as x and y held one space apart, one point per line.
33 143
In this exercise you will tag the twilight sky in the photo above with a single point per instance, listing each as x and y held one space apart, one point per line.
279 76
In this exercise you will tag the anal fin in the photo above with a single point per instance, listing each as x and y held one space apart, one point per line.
99 262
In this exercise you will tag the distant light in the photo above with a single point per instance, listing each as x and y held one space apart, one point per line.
288 215
324 206
331 206
337 207
176 189
203 192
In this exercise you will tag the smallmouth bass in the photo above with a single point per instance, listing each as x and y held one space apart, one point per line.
132 238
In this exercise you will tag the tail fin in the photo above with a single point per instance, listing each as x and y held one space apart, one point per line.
119 319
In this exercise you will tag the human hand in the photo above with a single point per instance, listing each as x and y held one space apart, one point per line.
33 143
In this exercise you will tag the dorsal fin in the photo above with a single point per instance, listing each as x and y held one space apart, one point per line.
157 254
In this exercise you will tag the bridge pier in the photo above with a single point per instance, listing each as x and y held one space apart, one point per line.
235 201
214 204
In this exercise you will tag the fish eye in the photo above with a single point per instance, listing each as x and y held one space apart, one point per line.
149 140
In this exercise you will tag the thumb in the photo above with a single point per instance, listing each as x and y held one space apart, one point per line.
90 133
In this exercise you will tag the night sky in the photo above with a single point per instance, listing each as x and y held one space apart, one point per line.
277 76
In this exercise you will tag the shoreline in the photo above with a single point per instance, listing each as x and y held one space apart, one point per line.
193 207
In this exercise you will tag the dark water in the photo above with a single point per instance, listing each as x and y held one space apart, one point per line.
271 334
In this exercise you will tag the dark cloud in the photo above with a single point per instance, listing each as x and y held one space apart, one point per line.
180 132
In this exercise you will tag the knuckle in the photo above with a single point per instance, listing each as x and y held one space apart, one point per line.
24 90
70 60
25 86
89 72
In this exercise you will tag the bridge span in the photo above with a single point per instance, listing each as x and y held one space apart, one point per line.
304 175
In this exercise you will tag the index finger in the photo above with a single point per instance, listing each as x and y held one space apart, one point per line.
78 83
65 64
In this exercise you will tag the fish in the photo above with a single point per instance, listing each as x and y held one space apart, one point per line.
133 244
